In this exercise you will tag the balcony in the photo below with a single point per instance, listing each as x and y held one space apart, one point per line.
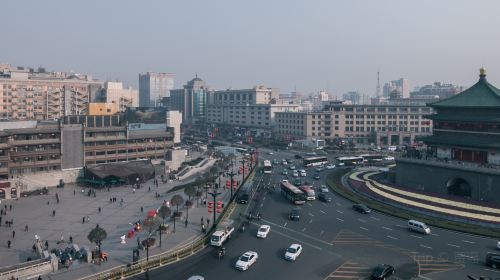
33 153
4 170
35 142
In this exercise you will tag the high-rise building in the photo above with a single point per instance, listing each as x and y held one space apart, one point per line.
402 86
439 89
28 94
190 101
153 87
353 96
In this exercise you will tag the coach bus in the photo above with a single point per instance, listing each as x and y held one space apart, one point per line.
268 168
315 161
372 158
292 193
349 161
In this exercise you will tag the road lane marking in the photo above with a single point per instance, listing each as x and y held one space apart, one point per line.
363 228
392 237
264 198
323 212
340 220
262 204
390 229
400 226
321 233
340 212
361 220
324 204
310 221
453 245
420 237
298 240
311 214
309 204
496 271
338 204
434 234
467 241
285 224
304 229
376 219
427 247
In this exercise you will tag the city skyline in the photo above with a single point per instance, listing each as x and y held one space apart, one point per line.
234 45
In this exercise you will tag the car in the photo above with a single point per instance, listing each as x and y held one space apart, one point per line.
493 260
498 245
298 156
293 252
361 208
297 182
316 177
294 214
270 153
325 197
289 160
389 158
246 260
285 172
196 277
319 169
295 173
323 189
284 162
330 166
276 162
382 271
263 231
292 167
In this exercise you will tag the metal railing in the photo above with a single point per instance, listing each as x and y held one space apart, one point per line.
17 269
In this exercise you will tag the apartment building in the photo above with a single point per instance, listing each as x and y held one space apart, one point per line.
362 124
114 92
26 94
250 108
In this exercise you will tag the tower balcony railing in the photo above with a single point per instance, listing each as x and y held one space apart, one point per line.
451 163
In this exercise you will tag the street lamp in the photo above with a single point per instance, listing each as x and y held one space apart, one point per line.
231 174
214 193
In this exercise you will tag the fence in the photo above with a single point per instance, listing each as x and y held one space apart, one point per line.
24 270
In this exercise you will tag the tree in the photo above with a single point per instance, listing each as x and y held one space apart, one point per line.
213 171
150 225
190 191
97 235
176 201
199 193
164 212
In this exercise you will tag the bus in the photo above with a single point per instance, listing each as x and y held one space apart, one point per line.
292 193
309 191
372 157
315 161
268 167
349 161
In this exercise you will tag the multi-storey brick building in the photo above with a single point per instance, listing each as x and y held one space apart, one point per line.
26 94
363 124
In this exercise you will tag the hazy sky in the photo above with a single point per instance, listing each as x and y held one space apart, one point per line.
313 45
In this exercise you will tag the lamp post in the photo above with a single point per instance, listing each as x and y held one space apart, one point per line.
214 193
231 174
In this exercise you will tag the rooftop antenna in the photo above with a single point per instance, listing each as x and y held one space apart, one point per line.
378 83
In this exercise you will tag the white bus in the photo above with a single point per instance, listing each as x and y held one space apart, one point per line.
315 161
372 157
349 161
268 168
292 193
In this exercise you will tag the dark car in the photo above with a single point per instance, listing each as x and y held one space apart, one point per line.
324 197
295 214
361 208
493 260
382 271
317 177
298 157
242 198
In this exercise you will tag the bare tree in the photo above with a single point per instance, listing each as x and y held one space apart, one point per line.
164 212
176 201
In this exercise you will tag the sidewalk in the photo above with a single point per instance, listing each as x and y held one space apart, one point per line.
74 205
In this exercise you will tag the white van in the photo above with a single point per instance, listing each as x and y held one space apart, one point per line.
303 173
418 226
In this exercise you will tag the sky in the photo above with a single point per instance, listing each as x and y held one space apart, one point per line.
309 46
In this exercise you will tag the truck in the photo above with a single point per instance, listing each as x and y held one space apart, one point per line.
220 236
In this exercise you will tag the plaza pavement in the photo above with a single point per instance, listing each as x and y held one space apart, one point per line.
36 212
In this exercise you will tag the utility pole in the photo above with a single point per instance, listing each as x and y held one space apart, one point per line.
243 168
214 195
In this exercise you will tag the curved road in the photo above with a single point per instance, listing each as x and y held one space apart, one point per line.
338 242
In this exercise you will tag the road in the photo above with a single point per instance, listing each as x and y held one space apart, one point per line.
338 242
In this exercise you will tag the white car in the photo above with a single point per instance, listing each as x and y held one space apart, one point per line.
270 153
303 173
263 231
498 245
295 173
196 277
389 158
323 189
330 166
293 252
284 162
246 260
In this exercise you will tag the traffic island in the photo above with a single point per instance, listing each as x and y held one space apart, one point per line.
338 182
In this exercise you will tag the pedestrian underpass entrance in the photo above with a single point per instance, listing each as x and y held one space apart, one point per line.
459 187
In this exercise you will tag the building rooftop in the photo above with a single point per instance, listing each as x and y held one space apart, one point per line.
480 95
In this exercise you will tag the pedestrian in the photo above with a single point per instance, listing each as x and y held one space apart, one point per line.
83 220
201 220
0 221
39 277
57 200
10 207
13 234
48 202
142 209
71 239
8 244
133 190
62 239
208 222
186 223
46 244
1 211
26 228
53 213
34 248
88 219
149 188
74 192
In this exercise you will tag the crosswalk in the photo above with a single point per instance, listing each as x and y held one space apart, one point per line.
350 270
